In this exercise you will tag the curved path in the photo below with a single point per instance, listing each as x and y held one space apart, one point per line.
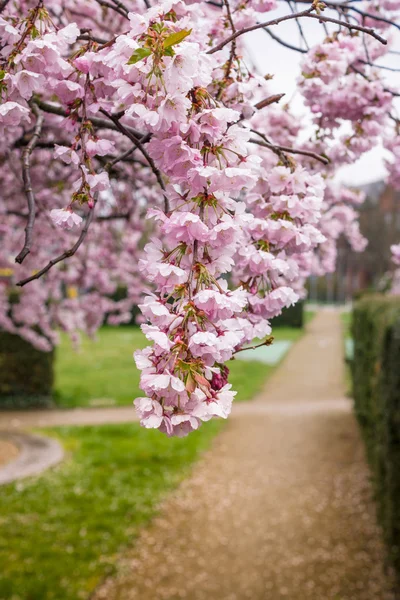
279 508
35 455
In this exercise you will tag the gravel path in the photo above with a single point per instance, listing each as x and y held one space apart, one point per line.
279 508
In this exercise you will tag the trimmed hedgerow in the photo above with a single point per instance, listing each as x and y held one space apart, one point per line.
290 317
26 374
376 390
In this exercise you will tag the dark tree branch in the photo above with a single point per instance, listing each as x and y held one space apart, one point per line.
120 5
350 26
64 255
365 62
278 149
305 13
299 27
114 217
3 5
113 7
117 159
353 68
348 7
88 37
26 175
259 26
283 43
139 144
55 109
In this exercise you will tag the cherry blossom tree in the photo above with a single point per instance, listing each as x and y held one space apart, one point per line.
140 148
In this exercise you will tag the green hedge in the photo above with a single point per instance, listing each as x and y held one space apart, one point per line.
26 374
290 317
376 390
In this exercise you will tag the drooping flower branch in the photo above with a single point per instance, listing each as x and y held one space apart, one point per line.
145 127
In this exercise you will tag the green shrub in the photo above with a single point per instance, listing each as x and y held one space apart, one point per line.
376 390
290 317
26 374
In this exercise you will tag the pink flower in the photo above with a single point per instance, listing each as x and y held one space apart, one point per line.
27 82
65 218
150 412
12 113
98 182
99 147
67 155
185 227
395 250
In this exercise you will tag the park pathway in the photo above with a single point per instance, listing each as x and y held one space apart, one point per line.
279 508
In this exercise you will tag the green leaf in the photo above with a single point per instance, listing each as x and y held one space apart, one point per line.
2 75
139 54
34 33
176 37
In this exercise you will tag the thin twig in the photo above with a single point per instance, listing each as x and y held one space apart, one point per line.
55 109
266 342
277 148
121 5
139 144
26 175
285 44
118 158
299 27
353 68
364 62
113 7
64 255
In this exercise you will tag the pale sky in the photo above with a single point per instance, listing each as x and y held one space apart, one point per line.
270 57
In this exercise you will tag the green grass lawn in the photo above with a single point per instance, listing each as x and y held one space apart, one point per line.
60 533
103 371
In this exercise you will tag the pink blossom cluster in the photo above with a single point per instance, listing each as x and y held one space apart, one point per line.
163 171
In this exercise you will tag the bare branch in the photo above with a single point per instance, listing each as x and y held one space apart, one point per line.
278 149
347 7
267 342
26 175
353 68
120 157
3 5
64 255
91 38
232 37
305 13
115 7
55 109
139 144
299 27
285 44
365 62
120 5
350 26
